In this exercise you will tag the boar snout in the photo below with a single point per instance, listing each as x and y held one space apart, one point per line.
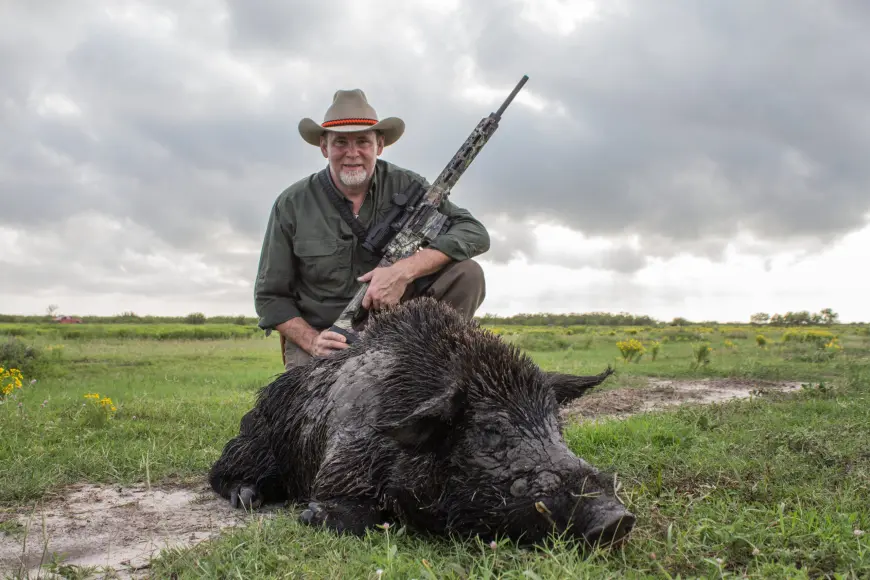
609 526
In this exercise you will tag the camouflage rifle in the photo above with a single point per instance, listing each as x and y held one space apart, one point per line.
414 217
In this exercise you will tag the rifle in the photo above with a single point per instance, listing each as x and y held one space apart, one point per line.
414 217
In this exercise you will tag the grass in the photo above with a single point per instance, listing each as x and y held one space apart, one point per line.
774 486
176 331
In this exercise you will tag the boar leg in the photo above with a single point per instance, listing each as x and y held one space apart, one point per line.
340 499
351 515
568 387
246 473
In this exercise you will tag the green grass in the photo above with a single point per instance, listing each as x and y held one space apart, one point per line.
774 486
164 331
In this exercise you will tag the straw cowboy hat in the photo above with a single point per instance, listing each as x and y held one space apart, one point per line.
350 111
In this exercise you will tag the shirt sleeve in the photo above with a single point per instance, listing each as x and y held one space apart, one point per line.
276 277
465 238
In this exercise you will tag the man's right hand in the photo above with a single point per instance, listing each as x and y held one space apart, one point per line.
308 339
326 343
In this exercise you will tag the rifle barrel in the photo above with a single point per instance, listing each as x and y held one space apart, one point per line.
511 96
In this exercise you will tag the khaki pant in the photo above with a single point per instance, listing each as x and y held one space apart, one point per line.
459 284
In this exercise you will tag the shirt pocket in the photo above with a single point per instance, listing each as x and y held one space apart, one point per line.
324 263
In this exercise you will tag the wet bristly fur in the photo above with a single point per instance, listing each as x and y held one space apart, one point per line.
429 420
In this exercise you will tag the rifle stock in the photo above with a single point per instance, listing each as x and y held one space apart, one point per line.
422 221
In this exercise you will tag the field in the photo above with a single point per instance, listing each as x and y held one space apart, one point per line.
775 484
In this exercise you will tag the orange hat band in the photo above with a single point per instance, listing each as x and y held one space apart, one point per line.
339 122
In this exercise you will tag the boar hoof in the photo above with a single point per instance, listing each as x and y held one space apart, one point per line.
245 497
353 518
313 515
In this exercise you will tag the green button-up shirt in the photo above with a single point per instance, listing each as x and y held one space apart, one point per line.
311 259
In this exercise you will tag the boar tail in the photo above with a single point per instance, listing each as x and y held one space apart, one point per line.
568 387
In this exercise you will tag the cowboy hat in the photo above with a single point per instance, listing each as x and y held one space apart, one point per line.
350 111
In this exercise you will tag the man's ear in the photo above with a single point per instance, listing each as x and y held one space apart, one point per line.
429 422
323 139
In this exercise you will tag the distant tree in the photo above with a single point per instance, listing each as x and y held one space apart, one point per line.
128 316
760 318
51 310
800 318
829 316
195 318
680 321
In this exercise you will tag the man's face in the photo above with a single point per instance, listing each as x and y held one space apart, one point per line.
352 156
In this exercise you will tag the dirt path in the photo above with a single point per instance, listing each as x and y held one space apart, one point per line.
111 528
118 529
663 393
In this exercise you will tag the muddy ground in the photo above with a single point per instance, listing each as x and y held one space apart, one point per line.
117 530
113 530
662 393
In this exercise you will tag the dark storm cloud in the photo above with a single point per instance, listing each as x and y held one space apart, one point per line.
679 123
693 118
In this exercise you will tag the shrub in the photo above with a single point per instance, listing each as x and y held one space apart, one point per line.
654 347
701 354
542 341
817 337
34 362
631 350
99 410
10 379
760 340
681 335
833 346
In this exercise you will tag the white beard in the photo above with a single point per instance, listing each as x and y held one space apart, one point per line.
353 177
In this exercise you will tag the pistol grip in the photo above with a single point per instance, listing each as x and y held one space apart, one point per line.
350 336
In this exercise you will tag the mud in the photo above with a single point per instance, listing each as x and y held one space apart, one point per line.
660 394
113 531
117 530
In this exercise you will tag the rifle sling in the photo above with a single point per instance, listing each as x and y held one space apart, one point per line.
340 203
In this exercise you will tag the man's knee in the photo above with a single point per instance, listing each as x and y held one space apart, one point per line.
471 274
462 285
294 355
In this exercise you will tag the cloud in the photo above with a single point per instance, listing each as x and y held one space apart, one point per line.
645 131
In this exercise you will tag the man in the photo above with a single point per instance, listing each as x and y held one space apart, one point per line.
312 263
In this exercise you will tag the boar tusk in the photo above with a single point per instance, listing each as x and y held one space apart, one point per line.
617 487
539 505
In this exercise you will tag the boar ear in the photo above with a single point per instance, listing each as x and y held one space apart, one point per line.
568 387
429 422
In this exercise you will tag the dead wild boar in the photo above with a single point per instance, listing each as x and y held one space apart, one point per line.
429 421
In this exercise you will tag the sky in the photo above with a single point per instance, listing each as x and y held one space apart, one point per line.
698 159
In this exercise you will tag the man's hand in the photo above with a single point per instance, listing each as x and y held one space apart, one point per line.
386 286
309 339
326 343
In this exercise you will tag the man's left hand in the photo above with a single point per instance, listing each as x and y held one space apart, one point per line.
386 287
